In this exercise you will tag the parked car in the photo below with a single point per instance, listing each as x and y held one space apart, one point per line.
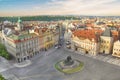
68 42
58 46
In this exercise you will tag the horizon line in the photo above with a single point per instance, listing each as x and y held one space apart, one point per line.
61 15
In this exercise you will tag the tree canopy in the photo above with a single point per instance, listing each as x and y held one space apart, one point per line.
38 18
3 52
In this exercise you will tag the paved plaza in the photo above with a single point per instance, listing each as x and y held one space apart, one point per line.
105 58
42 68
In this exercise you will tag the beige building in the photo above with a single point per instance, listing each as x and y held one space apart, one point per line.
116 49
85 41
23 46
47 37
25 43
106 42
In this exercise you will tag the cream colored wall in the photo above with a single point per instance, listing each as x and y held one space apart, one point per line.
11 47
116 49
23 47
90 46
106 44
51 37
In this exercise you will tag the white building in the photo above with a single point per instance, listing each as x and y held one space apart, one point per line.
116 49
68 35
23 46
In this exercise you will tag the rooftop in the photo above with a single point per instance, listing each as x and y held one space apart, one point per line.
21 36
107 33
88 34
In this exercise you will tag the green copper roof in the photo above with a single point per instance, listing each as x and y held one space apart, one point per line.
107 33
19 20
22 36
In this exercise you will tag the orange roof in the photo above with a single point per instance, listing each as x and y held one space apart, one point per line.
89 25
37 30
44 29
88 34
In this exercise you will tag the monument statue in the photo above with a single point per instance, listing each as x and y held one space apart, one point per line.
68 61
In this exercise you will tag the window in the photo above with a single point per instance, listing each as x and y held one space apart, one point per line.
48 39
101 41
104 41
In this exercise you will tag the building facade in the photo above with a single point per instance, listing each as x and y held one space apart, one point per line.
85 41
47 37
106 42
116 49
23 46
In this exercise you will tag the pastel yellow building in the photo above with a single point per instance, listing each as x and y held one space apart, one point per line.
106 42
47 37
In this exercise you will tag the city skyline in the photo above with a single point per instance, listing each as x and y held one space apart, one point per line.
59 7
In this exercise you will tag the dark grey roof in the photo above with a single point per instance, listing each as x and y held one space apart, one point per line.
107 33
100 23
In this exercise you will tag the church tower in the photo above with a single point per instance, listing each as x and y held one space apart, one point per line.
19 24
106 42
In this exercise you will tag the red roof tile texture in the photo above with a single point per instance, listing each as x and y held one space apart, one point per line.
88 34
94 34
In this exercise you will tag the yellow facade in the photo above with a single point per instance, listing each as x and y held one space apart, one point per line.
48 38
106 45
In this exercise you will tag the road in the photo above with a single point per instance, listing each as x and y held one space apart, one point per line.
42 68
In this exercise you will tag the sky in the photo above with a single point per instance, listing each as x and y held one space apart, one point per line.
59 7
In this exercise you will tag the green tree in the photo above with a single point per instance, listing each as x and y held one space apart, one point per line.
3 52
1 77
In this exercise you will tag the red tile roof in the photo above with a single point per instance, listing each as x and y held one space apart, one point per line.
88 34
89 25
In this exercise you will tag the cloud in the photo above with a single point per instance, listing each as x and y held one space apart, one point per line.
68 7
77 7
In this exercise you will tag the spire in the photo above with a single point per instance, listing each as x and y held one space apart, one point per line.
19 24
107 33
19 20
